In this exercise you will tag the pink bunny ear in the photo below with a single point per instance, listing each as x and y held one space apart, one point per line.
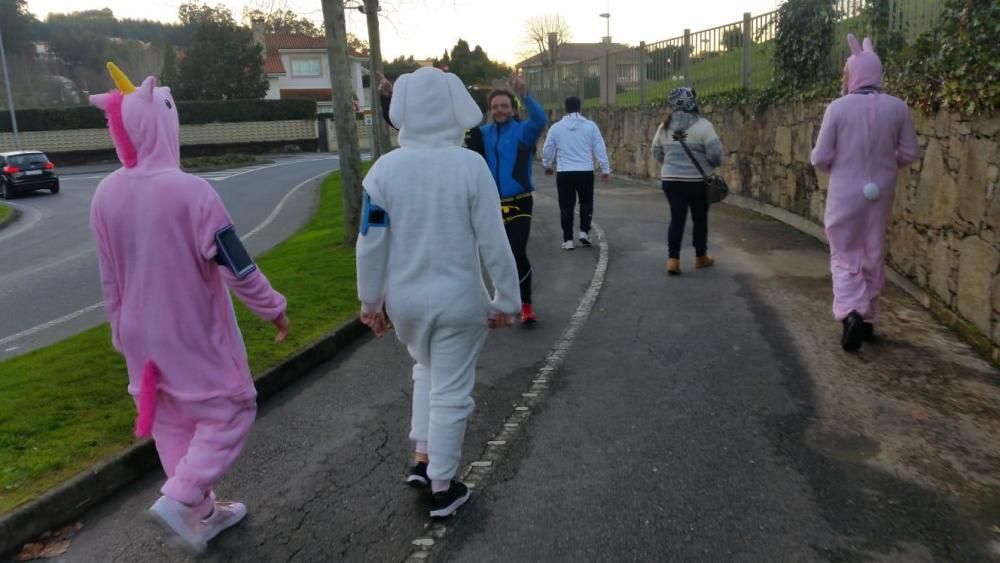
853 42
100 101
146 90
868 45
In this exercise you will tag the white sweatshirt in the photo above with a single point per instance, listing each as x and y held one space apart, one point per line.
574 142
443 216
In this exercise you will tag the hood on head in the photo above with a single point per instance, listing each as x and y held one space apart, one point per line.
574 120
143 122
432 109
864 68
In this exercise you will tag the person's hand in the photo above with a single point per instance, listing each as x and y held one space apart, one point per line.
549 172
496 319
384 86
374 321
283 326
518 85
605 177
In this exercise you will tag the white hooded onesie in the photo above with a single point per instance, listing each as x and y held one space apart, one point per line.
442 215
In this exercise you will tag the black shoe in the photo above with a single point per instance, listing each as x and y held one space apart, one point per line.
867 332
853 332
447 502
416 477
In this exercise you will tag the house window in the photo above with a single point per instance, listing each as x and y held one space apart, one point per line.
307 67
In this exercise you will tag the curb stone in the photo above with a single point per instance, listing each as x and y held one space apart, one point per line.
14 216
87 489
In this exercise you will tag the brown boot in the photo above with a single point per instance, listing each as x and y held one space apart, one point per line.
673 266
703 262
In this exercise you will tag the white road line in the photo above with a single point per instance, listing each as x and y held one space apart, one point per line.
513 427
66 318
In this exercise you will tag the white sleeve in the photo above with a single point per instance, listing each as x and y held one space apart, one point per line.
494 249
372 250
600 150
549 148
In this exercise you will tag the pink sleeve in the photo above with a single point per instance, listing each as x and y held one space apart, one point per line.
826 144
109 283
907 146
254 290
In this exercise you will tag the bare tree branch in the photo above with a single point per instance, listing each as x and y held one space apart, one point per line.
535 38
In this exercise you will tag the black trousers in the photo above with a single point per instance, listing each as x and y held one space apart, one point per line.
570 185
682 197
517 222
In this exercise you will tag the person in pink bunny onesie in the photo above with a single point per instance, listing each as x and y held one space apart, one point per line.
865 137
168 252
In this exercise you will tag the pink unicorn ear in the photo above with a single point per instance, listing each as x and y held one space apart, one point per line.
868 45
100 101
146 90
853 42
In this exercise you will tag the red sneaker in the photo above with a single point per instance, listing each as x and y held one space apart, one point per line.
527 314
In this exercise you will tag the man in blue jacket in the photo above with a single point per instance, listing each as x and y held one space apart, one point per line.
508 145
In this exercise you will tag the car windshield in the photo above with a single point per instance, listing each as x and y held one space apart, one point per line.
27 159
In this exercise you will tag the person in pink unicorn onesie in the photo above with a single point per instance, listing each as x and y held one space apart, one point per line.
168 252
431 216
865 137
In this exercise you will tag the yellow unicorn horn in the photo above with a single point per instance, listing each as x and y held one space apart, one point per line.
121 81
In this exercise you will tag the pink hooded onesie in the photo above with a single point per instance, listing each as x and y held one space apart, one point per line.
166 297
865 137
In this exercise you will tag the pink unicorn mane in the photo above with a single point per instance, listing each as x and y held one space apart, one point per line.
116 124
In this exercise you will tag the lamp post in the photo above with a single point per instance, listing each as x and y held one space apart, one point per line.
607 38
10 96
608 82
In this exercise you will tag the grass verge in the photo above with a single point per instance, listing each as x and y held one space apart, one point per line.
65 407
5 211
196 163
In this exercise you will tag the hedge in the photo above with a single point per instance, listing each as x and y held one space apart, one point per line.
191 113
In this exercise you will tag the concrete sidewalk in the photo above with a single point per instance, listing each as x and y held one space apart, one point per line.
709 417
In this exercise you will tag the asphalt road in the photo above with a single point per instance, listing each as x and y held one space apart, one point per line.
709 417
49 281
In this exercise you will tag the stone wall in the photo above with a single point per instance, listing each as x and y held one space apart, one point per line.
945 234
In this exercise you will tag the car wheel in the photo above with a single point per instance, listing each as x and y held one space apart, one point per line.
54 190
5 191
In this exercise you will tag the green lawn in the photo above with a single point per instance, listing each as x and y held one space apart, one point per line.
224 160
5 211
65 407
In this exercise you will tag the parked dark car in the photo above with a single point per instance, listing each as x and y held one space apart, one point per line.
26 171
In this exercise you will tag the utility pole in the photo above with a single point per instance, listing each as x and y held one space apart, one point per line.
10 96
343 116
380 132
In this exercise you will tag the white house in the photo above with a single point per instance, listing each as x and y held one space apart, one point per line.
298 67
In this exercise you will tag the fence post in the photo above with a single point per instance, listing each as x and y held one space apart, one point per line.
581 82
687 57
642 73
747 51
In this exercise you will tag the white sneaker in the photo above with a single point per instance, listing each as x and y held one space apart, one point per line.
584 238
568 245
191 532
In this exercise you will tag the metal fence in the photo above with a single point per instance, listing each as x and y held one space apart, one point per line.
734 56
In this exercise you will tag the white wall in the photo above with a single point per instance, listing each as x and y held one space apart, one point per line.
289 82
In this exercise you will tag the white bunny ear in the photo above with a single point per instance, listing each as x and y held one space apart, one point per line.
465 109
853 42
147 87
868 45
397 105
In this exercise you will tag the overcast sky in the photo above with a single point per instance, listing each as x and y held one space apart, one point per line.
425 28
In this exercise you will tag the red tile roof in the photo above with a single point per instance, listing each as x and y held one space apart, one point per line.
276 42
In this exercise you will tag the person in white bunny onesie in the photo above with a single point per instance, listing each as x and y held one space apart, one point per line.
431 217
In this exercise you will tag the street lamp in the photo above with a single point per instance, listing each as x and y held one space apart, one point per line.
607 16
10 97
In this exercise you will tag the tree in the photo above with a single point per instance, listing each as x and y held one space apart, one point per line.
282 21
16 25
536 35
398 66
356 45
223 63
168 74
732 39
444 63
473 66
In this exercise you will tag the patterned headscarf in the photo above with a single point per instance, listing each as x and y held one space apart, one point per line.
684 99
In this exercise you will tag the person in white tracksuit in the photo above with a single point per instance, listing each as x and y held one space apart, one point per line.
431 214
574 142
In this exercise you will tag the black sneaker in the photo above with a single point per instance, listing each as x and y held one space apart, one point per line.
447 502
416 477
867 332
853 332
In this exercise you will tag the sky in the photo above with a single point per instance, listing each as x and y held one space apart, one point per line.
425 28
